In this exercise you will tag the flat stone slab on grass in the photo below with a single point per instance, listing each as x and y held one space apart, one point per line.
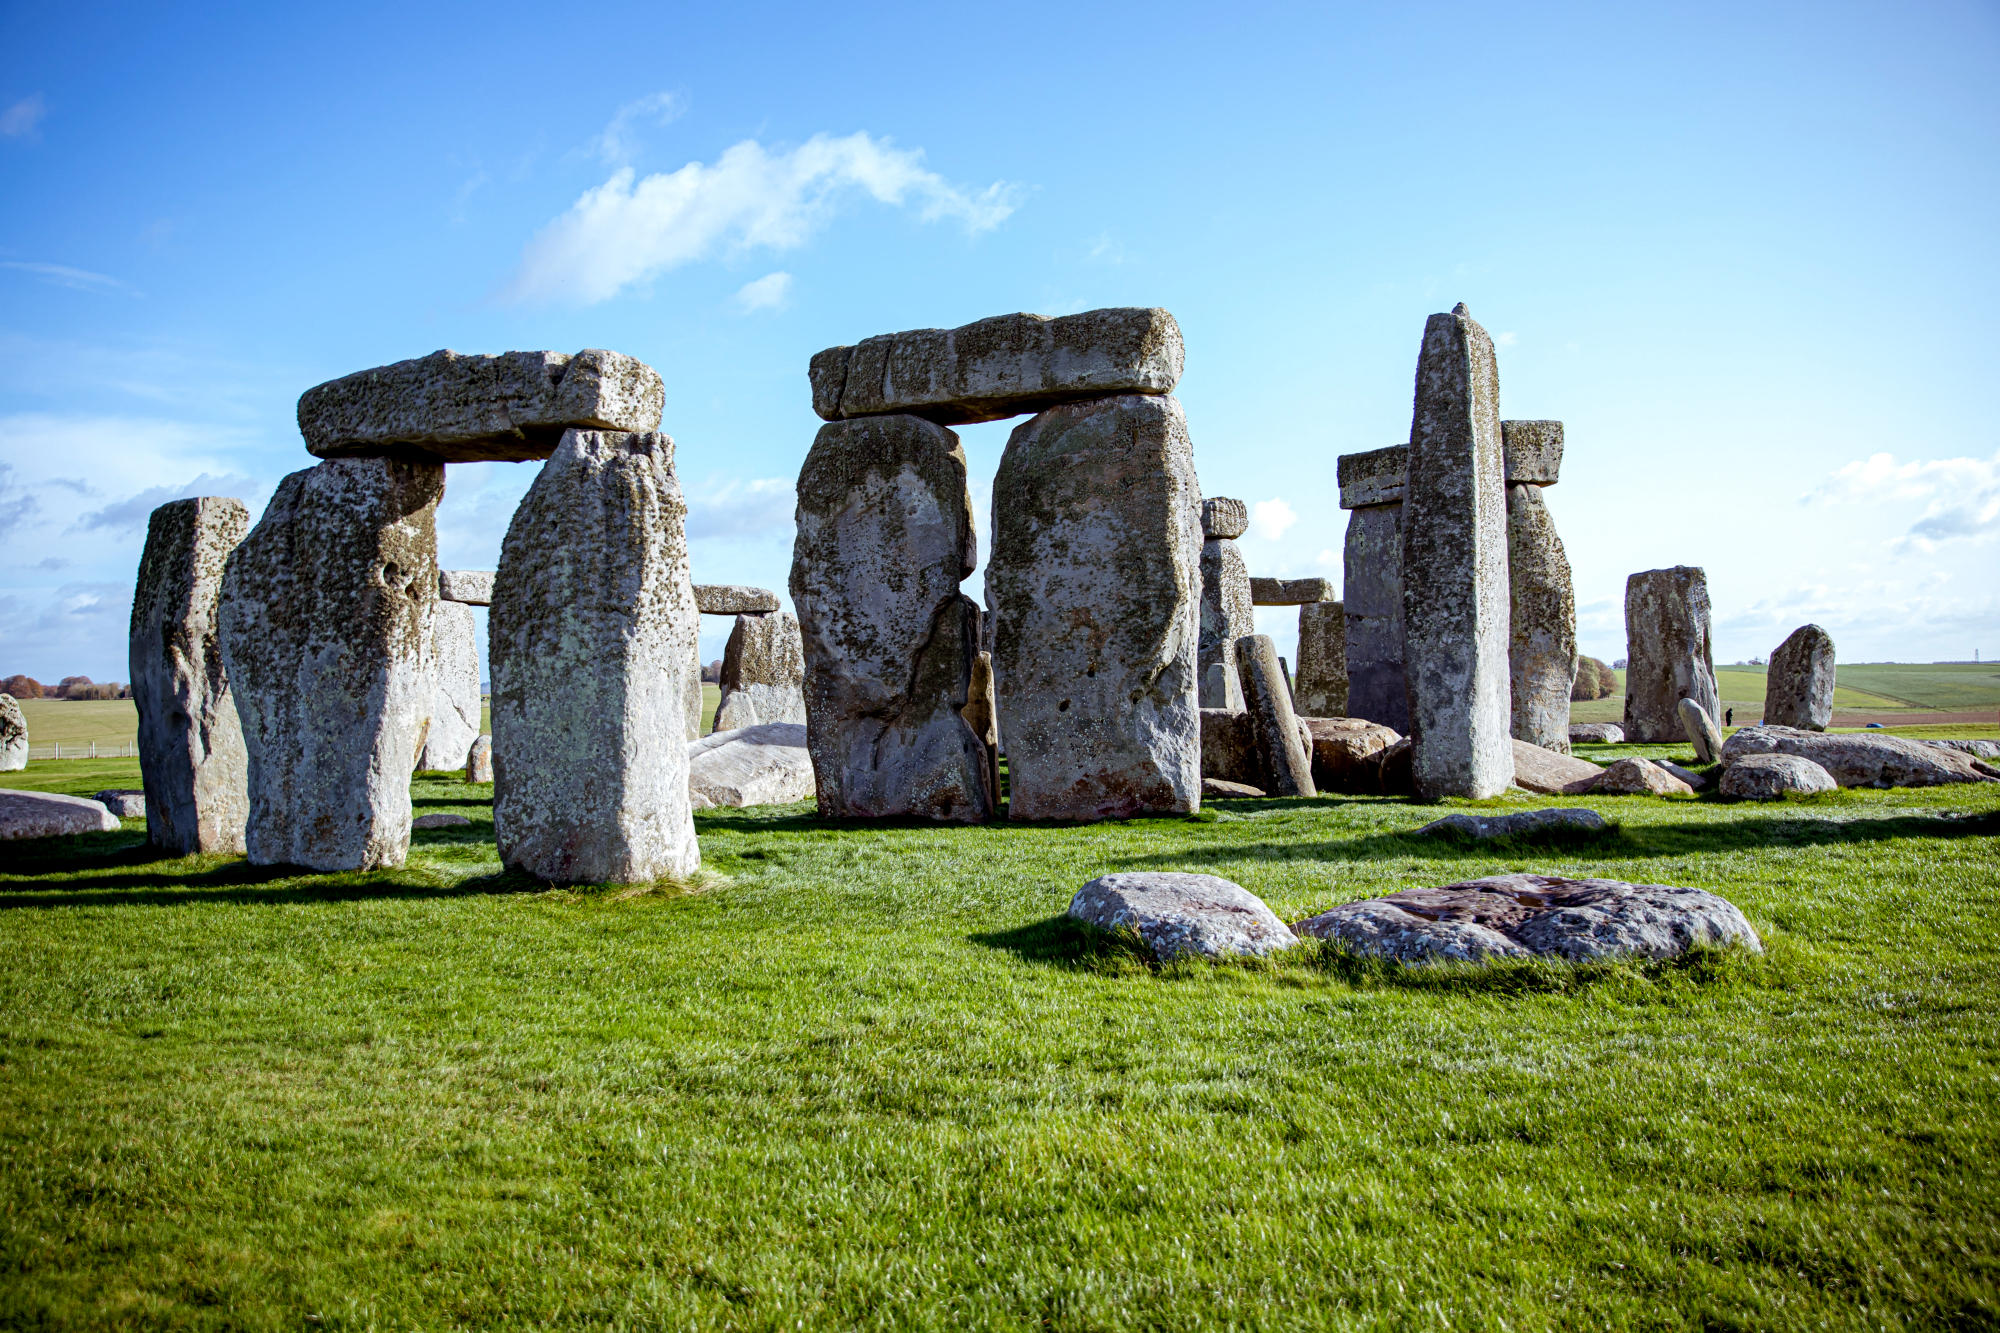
47 814
1527 821
439 821
125 802
1862 760
762 765
1596 733
1523 916
1545 771
1768 777
1182 916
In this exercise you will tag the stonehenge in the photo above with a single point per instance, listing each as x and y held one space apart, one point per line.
1669 654
1798 684
1371 489
13 736
456 702
1227 613
1283 751
1320 687
1542 599
763 672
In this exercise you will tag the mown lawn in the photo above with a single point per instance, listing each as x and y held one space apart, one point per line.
868 1077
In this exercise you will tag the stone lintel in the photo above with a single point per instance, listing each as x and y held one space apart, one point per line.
1373 478
1291 592
733 599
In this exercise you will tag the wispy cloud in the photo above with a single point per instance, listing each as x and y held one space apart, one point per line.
1962 496
619 141
64 276
130 514
15 505
742 508
766 293
1271 517
19 120
628 230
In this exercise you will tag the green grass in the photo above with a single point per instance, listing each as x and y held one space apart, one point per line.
1952 689
869 1077
80 721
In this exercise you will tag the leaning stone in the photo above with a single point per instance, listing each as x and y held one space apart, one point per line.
13 736
763 673
1373 478
1631 777
981 714
1094 578
1182 916
1227 614
448 408
733 599
474 587
479 760
1798 685
1229 746
1533 451
885 536
1859 760
1687 775
1321 687
1702 733
47 814
1542 614
1454 567
1596 733
1000 367
767 764
456 704
592 629
1547 772
1341 750
1223 519
125 802
1284 763
440 821
1669 652
1290 592
1770 777
1218 788
1507 826
325 625
1376 687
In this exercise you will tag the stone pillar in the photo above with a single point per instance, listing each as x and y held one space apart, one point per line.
1542 599
191 751
1096 584
885 536
455 708
1669 653
592 626
1226 612
1284 755
1798 685
1321 687
1371 488
13 736
325 631
980 715
763 672
1454 573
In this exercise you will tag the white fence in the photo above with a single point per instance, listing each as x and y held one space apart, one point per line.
91 750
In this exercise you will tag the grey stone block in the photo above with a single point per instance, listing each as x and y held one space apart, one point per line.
1798 685
1291 592
733 599
1533 451
1376 477
1669 652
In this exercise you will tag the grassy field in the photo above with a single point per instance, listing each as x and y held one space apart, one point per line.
80 721
867 1077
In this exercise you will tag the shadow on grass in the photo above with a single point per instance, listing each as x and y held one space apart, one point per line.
235 880
1063 941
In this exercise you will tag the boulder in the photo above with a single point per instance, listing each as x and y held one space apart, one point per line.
440 821
1532 452
1284 756
13 735
1226 616
592 632
474 587
1223 519
763 673
733 599
1631 777
1520 916
125 802
768 764
1229 746
479 760
1669 652
1596 733
1217 787
1094 580
885 536
1000 367
1342 748
1541 651
1549 773
325 629
1702 733
1798 685
1859 760
1391 770
1321 687
47 814
456 702
1687 775
1290 592
1376 477
1182 916
1769 777
1483 827
448 408
1373 564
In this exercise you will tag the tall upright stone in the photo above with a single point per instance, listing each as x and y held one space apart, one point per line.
1454 573
13 735
1798 685
455 708
1371 489
325 629
1542 597
1226 611
1321 686
191 754
1096 583
1669 652
885 536
763 672
980 714
592 625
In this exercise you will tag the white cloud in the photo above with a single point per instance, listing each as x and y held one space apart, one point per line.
19 120
1962 495
743 508
618 142
628 230
766 293
129 515
1271 518
64 276
1506 339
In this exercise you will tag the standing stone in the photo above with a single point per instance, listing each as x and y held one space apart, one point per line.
593 624
885 536
1668 650
1798 685
479 760
1284 753
13 736
763 672
1321 686
1542 607
455 707
191 755
1095 577
1702 733
1226 610
325 630
1454 572
984 719
1371 486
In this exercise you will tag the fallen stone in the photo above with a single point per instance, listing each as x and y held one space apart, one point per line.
474 587
1798 684
439 821
13 736
1702 733
1519 916
1769 777
1321 687
1631 777
733 599
1290 592
1376 477
1182 916
763 673
125 802
1859 760
1216 787
1227 614
1533 451
1595 733
1000 367
1223 519
479 760
448 408
1342 748
767 764
1542 616
47 814
1549 773
1373 563
1669 653
1284 758
1527 821
456 701
1978 749
1687 775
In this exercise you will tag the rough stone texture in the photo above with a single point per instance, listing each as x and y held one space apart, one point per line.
1341 750
1320 689
1220 788
448 408
325 626
1542 616
1095 581
1517 916
1290 592
125 802
1227 614
191 754
1687 775
1669 652
1373 478
13 736
1702 733
885 535
767 764
1542 770
474 587
591 633
733 599
1373 566
1229 746
1977 748
981 714
1284 759
47 814
1182 916
440 821
1798 685
1454 570
1532 452
1000 367
479 760
1506 826
1769 777
763 673
1223 518
1631 777
1859 760
1598 733
455 706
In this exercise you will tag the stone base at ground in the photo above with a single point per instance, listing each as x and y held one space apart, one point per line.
1341 750
1217 787
1596 733
1545 771
1769 777
1228 746
1631 777
1506 826
47 814
761 765
1860 760
1182 916
125 802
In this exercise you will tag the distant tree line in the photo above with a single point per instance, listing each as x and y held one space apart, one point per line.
1594 680
71 687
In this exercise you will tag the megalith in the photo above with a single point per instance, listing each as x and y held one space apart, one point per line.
1798 685
1226 611
763 672
885 536
1542 597
13 735
592 626
1669 652
191 754
1454 569
1284 751
325 627
1371 489
1320 689
455 707
980 715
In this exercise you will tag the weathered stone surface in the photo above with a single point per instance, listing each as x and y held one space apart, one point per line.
1000 367
13 736
1373 478
1542 615
1284 761
1095 582
1859 760
1532 452
1596 733
191 754
47 814
474 587
325 626
448 408
1631 777
1483 827
763 673
733 599
1217 787
440 821
1516 916
1687 775
1541 770
1227 614
1223 519
1321 687
125 802
1373 566
1798 685
591 634
885 535
1977 748
1342 750
1669 652
1769 777
1454 570
1701 731
768 764
983 716
1182 916
456 703
1229 746
1290 592
479 760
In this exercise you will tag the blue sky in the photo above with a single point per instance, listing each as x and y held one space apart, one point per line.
1744 252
